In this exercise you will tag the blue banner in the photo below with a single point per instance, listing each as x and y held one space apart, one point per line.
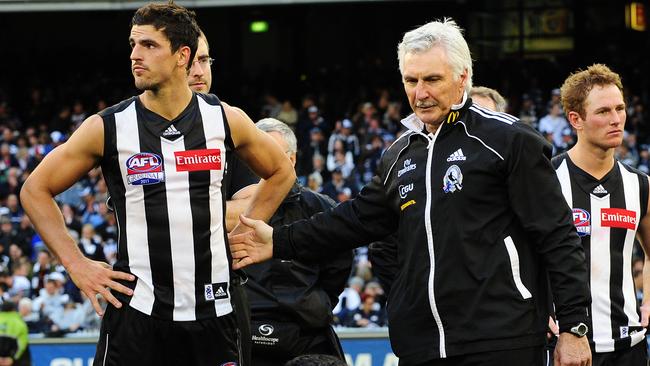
358 352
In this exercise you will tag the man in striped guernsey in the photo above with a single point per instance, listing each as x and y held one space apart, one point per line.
163 155
610 202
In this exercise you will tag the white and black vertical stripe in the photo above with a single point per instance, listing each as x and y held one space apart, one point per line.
172 234
615 320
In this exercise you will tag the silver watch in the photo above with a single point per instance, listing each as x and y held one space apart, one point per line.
579 330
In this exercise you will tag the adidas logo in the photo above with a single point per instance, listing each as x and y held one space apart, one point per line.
220 291
457 156
171 131
599 190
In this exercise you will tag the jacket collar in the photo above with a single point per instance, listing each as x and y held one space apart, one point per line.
413 123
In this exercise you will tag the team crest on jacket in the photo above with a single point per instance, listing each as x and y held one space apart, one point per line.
582 221
453 180
144 168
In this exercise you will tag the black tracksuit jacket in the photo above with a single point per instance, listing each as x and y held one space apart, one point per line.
482 227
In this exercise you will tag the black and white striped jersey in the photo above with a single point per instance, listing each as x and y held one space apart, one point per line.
165 179
606 214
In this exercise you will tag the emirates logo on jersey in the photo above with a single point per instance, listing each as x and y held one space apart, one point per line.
618 217
196 160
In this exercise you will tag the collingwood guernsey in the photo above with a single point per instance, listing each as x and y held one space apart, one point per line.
165 180
606 214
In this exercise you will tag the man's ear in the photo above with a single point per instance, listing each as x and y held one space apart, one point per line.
184 57
575 120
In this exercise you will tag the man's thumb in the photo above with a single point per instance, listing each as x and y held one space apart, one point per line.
248 222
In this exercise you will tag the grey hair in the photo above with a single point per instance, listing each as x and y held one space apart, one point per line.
485 92
449 36
273 125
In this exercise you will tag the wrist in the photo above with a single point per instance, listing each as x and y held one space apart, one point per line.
578 329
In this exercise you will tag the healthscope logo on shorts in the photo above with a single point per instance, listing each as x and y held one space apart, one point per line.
265 329
144 168
618 217
197 160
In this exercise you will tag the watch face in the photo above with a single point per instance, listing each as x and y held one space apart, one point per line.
580 329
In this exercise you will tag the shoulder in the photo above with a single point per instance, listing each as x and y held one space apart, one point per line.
316 199
559 159
117 108
211 99
631 169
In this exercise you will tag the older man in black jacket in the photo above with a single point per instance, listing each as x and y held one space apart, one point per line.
480 222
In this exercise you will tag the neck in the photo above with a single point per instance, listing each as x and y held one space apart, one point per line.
168 101
592 159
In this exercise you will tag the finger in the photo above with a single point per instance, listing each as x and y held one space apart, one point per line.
108 296
118 275
243 263
239 238
239 254
251 223
240 247
120 288
93 300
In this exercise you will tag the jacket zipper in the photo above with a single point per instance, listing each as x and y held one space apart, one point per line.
432 258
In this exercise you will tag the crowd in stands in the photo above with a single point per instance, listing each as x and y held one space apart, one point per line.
338 154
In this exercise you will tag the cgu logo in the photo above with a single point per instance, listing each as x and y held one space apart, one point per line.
144 162
404 190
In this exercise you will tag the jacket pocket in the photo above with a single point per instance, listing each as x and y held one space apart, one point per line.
514 266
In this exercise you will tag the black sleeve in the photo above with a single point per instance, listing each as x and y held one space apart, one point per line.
537 200
241 176
335 271
351 224
383 256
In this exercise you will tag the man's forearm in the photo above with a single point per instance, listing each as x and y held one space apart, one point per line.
48 221
233 209
646 281
270 193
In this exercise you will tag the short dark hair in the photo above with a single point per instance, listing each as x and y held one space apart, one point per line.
177 23
316 360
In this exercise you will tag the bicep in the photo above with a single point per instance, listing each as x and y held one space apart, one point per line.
255 147
69 162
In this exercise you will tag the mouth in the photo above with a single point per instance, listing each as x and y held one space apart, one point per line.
615 132
138 69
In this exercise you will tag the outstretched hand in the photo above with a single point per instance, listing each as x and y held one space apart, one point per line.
251 246
93 277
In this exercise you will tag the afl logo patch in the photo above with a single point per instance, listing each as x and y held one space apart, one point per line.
144 168
582 221
453 180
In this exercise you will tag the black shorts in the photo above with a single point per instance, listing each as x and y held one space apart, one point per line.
131 338
633 356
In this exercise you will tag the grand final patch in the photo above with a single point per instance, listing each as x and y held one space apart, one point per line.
453 180
582 221
144 168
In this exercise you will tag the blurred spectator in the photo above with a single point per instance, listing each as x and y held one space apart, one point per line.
41 269
528 111
66 320
288 114
51 298
554 123
349 300
32 318
340 159
368 315
90 244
